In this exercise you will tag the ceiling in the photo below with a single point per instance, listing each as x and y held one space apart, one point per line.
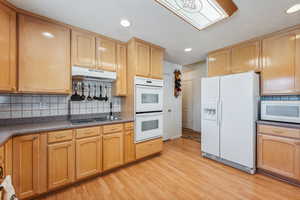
153 23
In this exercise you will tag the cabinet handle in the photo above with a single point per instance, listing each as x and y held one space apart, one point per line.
1 172
35 137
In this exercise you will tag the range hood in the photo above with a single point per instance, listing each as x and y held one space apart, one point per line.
83 73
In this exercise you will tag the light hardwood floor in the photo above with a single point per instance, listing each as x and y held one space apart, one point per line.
179 173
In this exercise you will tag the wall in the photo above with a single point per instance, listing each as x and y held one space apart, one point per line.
173 119
194 73
27 105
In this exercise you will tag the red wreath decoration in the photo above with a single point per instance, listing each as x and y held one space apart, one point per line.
177 88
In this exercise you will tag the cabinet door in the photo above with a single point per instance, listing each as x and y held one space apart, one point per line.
279 155
156 62
278 62
7 49
88 157
112 150
121 82
105 54
26 165
61 163
83 49
129 146
245 57
44 56
219 63
142 59
297 67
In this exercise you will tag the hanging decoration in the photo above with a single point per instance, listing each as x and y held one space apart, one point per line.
177 88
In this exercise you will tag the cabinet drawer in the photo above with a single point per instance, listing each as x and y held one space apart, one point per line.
147 148
87 132
129 126
60 136
112 128
279 131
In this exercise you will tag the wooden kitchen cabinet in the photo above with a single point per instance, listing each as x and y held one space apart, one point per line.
8 42
279 155
120 85
142 59
156 62
113 155
219 63
6 160
105 54
150 147
245 57
61 164
88 156
44 56
26 165
83 49
278 63
129 146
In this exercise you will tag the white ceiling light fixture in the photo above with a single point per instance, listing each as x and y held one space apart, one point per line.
188 49
125 23
293 9
200 13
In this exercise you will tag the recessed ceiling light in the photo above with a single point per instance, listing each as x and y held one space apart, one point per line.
125 23
188 49
293 9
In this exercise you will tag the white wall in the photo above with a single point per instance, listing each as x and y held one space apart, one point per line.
195 72
174 125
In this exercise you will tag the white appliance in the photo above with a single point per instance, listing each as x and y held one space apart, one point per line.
283 111
81 72
148 109
229 108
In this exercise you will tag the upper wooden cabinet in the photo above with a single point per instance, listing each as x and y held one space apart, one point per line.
105 54
44 56
8 39
278 62
145 59
26 165
245 57
156 62
120 87
83 49
219 63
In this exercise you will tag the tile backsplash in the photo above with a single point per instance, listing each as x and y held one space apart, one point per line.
27 105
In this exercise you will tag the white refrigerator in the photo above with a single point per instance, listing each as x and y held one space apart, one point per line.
229 109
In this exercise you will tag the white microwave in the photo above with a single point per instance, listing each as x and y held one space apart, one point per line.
282 111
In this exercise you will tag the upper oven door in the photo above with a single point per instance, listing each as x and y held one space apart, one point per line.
148 98
281 111
148 126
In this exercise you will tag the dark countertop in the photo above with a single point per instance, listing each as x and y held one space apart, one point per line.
281 124
8 131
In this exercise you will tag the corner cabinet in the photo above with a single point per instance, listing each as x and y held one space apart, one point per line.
83 49
280 72
44 57
8 49
219 63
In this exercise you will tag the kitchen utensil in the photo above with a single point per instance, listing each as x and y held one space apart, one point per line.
95 92
106 98
75 96
89 98
100 98
82 92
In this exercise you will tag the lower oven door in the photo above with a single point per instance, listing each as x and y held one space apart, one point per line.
148 126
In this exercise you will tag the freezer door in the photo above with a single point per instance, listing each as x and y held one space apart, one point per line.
209 111
238 110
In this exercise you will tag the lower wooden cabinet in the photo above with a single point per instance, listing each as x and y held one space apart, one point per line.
112 150
147 148
280 155
26 150
129 146
88 157
61 164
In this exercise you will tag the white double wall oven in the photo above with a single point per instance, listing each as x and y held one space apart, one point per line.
148 109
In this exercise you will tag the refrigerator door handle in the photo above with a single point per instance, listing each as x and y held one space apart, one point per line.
220 112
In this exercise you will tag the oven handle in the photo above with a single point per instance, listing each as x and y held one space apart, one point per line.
149 114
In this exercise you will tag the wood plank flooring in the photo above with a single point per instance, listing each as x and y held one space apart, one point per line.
179 173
